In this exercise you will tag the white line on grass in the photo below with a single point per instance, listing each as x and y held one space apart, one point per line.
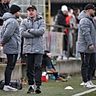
85 92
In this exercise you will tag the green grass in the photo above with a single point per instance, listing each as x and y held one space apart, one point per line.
52 88
91 94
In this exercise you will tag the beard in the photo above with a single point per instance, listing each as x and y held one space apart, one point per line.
92 15
65 15
17 17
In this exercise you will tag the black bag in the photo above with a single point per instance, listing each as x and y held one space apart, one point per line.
14 83
1 84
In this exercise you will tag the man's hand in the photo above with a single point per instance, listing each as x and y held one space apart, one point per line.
1 47
91 47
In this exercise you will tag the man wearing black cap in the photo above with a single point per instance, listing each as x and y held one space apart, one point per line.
87 44
10 40
32 29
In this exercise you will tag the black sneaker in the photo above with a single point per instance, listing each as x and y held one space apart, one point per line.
38 91
30 90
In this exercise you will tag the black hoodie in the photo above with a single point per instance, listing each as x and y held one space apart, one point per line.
4 8
61 20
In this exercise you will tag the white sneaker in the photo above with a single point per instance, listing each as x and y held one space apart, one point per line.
88 85
59 58
65 58
82 84
92 83
9 88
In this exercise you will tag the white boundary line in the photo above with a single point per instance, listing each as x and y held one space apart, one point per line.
85 92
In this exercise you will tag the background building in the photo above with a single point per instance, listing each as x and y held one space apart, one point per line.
56 4
40 4
49 8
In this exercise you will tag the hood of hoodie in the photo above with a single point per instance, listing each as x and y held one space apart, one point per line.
82 15
7 16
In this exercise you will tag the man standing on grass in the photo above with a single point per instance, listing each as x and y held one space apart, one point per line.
32 29
87 44
10 40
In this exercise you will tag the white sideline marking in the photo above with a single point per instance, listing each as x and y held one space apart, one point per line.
85 92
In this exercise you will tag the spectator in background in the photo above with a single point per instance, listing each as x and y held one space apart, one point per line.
87 44
32 29
61 19
47 64
4 6
72 33
10 40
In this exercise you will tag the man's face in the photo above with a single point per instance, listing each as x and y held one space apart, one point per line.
17 14
65 12
92 12
6 1
32 13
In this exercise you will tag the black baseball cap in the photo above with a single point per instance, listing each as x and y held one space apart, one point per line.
89 6
32 7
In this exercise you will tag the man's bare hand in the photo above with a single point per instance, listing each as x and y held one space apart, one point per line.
92 47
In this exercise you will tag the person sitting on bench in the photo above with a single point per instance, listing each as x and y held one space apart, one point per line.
47 63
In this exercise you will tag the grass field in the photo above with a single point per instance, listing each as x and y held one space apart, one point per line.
52 88
91 94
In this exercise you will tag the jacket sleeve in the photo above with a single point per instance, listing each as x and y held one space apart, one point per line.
86 31
40 31
8 32
24 31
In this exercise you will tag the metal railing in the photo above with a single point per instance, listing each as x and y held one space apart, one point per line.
50 30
